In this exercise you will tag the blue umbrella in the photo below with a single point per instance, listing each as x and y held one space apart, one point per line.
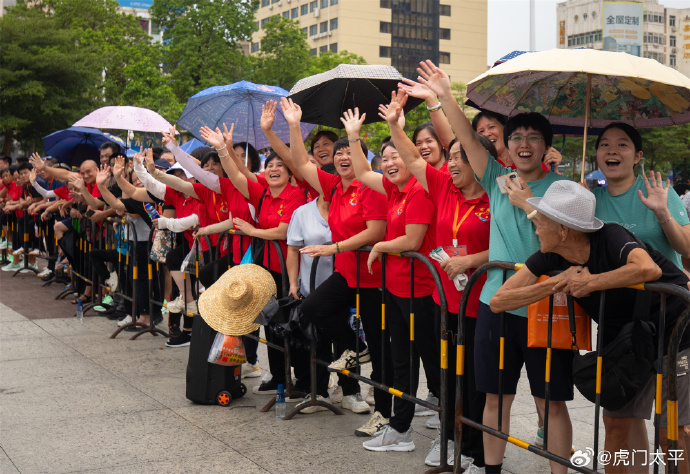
596 174
239 103
74 145
191 145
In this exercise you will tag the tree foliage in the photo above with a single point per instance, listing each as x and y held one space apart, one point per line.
283 58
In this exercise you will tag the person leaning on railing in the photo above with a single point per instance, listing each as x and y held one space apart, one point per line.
595 257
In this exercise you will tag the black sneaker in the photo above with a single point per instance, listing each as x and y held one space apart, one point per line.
181 340
266 388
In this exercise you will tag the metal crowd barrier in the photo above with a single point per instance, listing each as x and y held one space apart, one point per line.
9 238
24 243
681 325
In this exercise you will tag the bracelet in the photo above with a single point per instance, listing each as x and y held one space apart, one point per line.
222 148
666 221
223 156
353 140
531 215
337 248
435 107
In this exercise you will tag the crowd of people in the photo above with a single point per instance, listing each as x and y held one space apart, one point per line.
481 191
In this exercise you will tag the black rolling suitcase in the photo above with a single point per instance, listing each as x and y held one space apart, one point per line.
208 384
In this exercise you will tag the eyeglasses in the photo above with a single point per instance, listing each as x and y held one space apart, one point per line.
516 138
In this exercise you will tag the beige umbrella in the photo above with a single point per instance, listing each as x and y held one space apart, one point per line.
585 88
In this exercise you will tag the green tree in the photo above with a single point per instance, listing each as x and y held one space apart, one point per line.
203 41
284 57
328 60
47 76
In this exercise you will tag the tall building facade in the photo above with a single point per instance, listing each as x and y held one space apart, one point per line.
399 33
640 27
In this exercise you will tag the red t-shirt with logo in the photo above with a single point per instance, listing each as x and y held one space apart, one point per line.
409 206
347 216
274 211
215 210
63 193
238 207
15 193
184 206
472 219
309 192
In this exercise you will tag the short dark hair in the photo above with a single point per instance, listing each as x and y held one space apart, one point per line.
629 130
329 168
376 162
487 114
112 145
252 154
7 159
200 152
22 159
25 166
429 127
213 156
6 169
384 141
157 152
332 136
533 120
345 143
389 143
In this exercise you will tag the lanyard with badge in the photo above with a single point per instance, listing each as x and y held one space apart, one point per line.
458 250
224 243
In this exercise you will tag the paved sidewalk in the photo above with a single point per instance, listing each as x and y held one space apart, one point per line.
73 400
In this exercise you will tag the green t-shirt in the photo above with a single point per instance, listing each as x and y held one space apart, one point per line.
628 211
512 237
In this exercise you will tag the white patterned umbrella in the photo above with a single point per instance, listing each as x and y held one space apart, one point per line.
125 117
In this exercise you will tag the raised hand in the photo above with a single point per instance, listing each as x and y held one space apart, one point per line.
657 194
394 113
228 136
37 162
32 175
434 78
214 138
416 89
268 115
103 174
169 137
291 111
554 157
148 160
352 121
119 166
77 182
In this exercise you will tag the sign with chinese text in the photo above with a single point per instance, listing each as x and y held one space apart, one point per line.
145 4
622 30
562 32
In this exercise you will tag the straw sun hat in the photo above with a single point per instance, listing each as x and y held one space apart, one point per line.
232 303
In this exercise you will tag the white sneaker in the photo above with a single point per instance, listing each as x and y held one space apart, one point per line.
3 244
472 469
370 396
434 422
44 273
250 371
267 377
315 408
192 308
11 267
337 395
35 252
375 424
420 410
434 457
389 439
19 251
349 360
176 305
112 281
126 320
355 404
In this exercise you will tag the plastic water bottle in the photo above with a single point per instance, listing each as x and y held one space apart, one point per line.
280 401
153 213
80 311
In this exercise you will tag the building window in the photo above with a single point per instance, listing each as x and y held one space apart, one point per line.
286 14
323 49
304 30
671 20
672 60
256 26
275 1
385 27
263 22
584 16
324 3
443 58
313 6
385 4
672 41
265 3
304 9
313 30
312 51
294 13
156 28
334 2
334 24
385 51
323 27
255 47
334 47
444 10
444 33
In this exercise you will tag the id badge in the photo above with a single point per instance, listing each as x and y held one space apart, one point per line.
456 250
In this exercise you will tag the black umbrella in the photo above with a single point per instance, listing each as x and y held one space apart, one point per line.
324 97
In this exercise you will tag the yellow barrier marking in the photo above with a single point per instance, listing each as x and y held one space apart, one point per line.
395 392
264 341
134 272
411 326
460 360
639 286
502 354
345 372
547 378
150 272
357 306
196 267
657 407
394 254
672 419
518 266
599 362
518 442
383 316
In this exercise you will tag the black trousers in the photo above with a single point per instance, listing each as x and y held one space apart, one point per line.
405 352
472 401
328 307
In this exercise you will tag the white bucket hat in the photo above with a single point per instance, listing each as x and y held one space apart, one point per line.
178 166
570 204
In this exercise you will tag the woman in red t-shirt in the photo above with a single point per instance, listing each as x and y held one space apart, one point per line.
274 206
462 223
356 217
409 227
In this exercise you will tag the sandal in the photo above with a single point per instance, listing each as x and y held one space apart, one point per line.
82 298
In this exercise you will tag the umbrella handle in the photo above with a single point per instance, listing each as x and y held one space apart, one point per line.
584 140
